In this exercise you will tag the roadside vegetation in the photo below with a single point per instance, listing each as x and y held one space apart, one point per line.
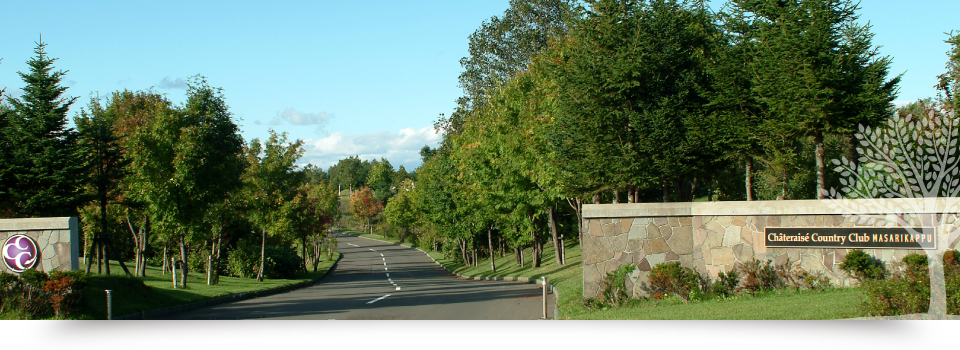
88 301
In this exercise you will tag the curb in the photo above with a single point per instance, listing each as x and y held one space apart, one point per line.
149 314
553 289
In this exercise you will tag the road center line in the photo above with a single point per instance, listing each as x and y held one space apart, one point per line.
353 245
372 249
378 299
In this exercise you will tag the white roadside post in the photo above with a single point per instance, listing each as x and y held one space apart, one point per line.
544 297
109 304
173 265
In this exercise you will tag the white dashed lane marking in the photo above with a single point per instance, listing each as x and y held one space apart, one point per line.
378 299
353 245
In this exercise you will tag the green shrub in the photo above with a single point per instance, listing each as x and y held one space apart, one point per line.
726 283
758 276
862 266
905 292
282 262
613 289
673 279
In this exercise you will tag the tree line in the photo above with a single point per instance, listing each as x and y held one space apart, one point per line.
618 101
174 185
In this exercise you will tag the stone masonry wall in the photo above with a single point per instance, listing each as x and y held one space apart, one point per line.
57 240
707 243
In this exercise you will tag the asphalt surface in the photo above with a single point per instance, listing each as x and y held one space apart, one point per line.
381 281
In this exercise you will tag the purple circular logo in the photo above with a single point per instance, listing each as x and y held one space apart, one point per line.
19 253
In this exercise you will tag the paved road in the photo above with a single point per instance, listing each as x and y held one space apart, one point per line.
381 281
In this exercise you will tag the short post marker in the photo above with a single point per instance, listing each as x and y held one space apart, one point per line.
544 297
109 304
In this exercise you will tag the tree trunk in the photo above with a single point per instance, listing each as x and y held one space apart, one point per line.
113 250
693 189
493 257
616 196
821 178
749 178
710 188
184 268
533 236
90 253
630 195
666 191
553 233
263 251
165 260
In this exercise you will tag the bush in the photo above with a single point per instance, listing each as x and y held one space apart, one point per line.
673 279
36 295
862 266
905 292
758 276
279 262
282 262
613 288
726 283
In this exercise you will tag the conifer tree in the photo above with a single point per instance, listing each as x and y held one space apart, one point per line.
46 169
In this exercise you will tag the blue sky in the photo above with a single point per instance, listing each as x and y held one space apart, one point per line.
361 78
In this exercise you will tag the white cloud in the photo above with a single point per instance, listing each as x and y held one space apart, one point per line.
294 117
178 83
400 148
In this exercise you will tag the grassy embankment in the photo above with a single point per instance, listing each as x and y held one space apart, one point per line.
156 291
785 305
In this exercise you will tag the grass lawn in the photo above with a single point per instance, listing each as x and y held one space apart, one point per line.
787 305
156 290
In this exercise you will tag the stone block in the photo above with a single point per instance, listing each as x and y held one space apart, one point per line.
714 226
773 221
697 221
592 251
781 259
731 236
698 253
674 221
706 252
655 246
725 220
714 239
656 259
643 265
737 250
641 288
747 253
617 243
54 236
591 281
666 231
625 225
611 229
634 245
759 242
660 221
819 221
637 232
722 256
759 223
746 235
699 236
739 220
594 228
828 261
686 260
653 232
637 257
681 241
701 266
837 220
686 221
671 256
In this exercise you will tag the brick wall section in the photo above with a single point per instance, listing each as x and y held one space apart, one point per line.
714 237
57 239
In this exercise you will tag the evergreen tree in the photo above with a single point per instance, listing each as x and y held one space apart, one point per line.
46 167
815 73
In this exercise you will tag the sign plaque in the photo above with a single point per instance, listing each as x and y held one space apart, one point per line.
852 237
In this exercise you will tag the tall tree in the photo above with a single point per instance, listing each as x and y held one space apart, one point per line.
107 164
190 158
816 71
380 179
272 181
43 155
364 204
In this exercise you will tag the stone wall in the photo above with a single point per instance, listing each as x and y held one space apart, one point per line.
57 240
715 236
